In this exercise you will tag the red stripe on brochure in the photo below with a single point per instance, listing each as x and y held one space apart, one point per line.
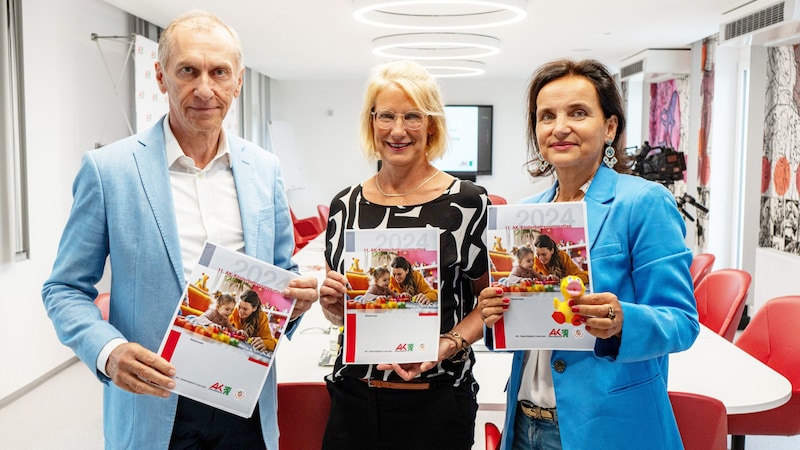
258 361
500 334
172 342
350 339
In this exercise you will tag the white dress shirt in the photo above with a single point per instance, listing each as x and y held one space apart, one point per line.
206 209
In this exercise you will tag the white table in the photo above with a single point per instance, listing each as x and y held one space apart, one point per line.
716 368
712 366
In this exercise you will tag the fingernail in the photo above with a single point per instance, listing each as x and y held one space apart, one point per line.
506 300
588 328
505 307
575 309
571 303
498 290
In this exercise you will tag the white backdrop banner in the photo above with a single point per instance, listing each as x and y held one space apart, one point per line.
150 103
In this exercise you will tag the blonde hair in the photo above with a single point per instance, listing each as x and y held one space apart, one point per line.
196 20
423 90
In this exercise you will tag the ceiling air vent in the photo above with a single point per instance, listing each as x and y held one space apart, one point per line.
776 24
654 65
632 69
768 16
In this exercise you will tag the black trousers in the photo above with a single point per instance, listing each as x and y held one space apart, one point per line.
363 417
202 427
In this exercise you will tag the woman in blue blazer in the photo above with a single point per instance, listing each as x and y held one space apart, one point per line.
642 307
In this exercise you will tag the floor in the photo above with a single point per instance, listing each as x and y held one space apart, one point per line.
65 412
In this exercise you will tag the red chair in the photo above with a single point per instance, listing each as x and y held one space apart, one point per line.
305 230
720 300
772 337
702 421
493 436
701 266
323 211
102 303
303 410
497 200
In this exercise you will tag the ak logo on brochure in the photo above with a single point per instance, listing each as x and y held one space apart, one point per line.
226 390
564 333
404 348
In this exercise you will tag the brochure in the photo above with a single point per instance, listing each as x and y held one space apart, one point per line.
218 364
539 315
391 315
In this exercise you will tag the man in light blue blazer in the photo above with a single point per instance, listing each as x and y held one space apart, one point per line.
147 203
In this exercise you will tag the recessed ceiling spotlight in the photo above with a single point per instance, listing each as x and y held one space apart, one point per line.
439 15
450 68
422 46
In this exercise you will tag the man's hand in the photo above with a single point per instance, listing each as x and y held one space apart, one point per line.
136 369
304 290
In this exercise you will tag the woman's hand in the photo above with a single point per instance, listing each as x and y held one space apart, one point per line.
492 305
304 290
409 371
258 344
423 299
602 313
331 296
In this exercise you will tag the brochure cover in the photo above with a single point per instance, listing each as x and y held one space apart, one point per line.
392 313
540 257
216 363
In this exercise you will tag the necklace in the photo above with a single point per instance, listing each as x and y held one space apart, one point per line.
378 185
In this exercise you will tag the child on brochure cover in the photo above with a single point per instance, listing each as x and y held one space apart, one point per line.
381 276
524 270
219 312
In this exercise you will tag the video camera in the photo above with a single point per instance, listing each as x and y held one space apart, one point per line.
661 164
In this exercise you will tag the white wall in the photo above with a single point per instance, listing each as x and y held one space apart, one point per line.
324 119
70 105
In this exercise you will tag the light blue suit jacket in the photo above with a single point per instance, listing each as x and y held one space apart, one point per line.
123 209
616 396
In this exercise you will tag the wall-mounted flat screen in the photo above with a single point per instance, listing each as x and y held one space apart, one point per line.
469 151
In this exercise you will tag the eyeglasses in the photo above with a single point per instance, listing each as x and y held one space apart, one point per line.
412 120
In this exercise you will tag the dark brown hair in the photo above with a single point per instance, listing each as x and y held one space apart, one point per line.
250 324
408 285
555 266
607 94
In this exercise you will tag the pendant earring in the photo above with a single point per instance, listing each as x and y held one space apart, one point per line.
609 158
540 164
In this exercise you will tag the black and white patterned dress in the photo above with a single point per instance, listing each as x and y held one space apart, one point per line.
460 215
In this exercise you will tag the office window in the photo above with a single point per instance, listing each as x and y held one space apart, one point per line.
13 189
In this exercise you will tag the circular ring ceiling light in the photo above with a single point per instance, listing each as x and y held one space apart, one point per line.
450 68
439 14
423 46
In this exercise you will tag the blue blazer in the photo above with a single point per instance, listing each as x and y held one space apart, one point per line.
616 396
123 209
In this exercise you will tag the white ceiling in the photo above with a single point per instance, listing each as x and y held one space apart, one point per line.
319 39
